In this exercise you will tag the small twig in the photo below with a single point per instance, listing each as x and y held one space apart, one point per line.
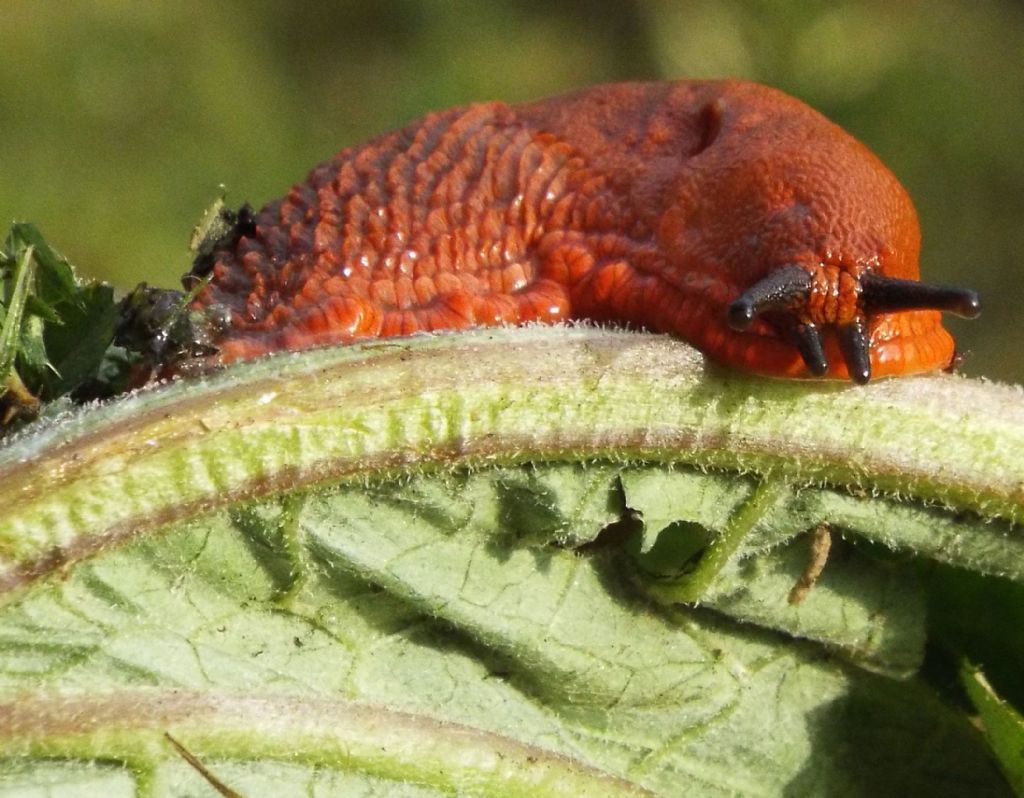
202 770
821 543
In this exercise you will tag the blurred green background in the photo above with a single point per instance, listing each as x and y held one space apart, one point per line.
119 119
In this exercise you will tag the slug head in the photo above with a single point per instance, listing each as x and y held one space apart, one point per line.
819 243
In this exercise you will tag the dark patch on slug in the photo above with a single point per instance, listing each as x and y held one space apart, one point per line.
230 228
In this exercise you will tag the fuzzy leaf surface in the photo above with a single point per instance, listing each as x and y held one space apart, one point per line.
373 571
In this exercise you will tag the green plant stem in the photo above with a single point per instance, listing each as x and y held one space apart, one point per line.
690 588
489 397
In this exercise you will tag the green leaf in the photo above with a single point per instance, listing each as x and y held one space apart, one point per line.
1004 726
76 347
447 565
56 331
55 281
420 648
14 311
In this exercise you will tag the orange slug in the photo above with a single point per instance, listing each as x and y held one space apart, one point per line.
723 212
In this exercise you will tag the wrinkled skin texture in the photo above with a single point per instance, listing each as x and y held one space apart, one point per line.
653 204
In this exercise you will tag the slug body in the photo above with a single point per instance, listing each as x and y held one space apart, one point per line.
726 213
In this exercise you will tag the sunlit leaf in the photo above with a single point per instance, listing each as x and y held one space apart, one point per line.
345 570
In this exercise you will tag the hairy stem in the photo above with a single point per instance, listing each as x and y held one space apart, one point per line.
489 397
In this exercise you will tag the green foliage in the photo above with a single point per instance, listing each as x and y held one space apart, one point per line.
56 329
371 625
1004 726
454 565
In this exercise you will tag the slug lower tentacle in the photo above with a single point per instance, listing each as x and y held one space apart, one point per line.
723 212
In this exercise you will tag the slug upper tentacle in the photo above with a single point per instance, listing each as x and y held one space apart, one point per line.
891 295
723 212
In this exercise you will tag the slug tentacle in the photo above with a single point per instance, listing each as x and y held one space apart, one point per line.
812 350
881 294
855 345
780 290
